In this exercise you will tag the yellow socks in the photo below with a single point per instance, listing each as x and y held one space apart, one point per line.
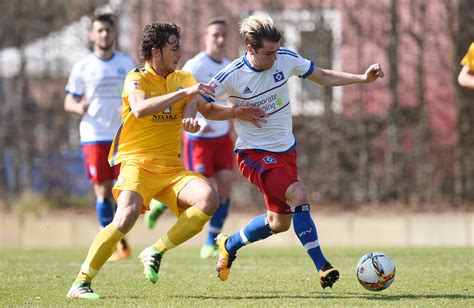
100 251
189 223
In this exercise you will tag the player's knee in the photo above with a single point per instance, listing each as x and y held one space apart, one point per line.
128 210
296 194
278 223
210 199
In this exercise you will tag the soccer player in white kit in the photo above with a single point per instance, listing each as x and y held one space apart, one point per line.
94 91
209 151
267 155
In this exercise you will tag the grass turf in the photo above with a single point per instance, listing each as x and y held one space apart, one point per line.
261 276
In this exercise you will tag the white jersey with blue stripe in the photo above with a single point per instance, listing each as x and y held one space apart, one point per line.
267 89
203 67
100 82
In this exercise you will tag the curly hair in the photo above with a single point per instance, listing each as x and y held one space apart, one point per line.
156 35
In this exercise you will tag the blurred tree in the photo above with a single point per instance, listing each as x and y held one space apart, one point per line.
23 22
463 37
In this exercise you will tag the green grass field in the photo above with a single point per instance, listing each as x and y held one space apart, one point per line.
260 277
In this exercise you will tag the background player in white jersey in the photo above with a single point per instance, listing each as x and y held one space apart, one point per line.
94 91
267 155
209 151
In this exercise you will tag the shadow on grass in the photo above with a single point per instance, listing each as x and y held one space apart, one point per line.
376 296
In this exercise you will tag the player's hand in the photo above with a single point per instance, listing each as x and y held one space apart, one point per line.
373 73
207 89
83 106
191 125
254 115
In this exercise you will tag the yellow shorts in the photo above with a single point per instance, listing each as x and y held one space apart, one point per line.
154 178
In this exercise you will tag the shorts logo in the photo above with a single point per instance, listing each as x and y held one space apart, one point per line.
278 76
200 168
119 181
269 160
93 170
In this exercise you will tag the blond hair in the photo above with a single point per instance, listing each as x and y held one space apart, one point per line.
256 29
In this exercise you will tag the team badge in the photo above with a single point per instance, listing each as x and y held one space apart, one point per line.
278 76
269 160
133 85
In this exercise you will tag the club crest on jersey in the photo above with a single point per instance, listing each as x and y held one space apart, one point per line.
133 85
121 71
247 91
278 76
269 160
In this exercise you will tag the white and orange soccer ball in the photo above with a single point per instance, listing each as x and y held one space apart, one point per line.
375 271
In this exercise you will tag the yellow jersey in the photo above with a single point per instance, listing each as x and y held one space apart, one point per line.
157 136
468 59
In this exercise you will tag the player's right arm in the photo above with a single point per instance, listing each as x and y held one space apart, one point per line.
75 105
466 77
75 101
142 106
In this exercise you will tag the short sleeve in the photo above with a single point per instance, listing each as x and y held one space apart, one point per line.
75 85
299 65
134 83
468 59
189 66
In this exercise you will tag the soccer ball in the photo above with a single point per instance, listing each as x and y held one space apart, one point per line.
375 271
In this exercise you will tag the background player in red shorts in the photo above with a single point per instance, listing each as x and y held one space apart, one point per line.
94 91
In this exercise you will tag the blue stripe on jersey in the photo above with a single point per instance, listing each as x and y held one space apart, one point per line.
287 53
260 93
237 150
251 67
96 142
288 50
221 79
309 72
207 98
73 94
228 68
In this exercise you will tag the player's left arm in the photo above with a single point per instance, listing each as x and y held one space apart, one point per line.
327 77
190 123
214 111
466 77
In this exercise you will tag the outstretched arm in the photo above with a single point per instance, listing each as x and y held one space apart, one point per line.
214 111
328 77
142 106
466 77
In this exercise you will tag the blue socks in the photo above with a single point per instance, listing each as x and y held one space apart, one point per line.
306 231
217 221
257 229
105 211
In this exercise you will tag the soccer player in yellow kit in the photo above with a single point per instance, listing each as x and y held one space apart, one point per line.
158 102
466 76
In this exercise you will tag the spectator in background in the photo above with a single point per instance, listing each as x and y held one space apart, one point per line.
209 151
94 92
466 76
